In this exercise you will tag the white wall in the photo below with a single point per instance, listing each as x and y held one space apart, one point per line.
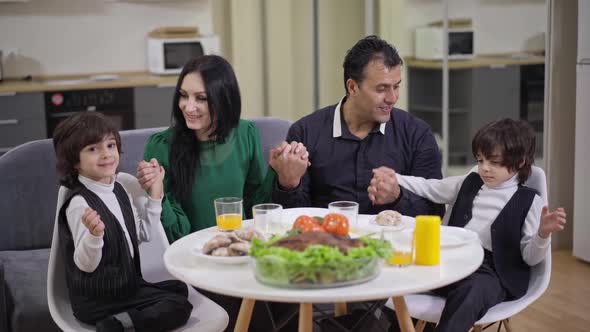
88 36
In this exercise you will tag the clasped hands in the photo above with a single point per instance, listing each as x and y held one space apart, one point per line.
290 161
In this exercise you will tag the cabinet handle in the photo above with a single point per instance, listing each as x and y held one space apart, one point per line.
8 122
7 94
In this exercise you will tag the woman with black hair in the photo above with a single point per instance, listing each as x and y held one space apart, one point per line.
209 152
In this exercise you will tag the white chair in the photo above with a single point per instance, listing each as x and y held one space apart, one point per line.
206 314
428 307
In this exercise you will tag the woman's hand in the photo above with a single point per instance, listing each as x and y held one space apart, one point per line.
290 161
151 177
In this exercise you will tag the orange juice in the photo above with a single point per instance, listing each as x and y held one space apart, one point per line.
229 221
401 258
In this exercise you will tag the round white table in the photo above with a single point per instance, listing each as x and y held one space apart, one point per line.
239 281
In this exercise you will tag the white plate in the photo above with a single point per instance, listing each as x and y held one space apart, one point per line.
220 259
456 236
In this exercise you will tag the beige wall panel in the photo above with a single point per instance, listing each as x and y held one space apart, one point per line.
246 46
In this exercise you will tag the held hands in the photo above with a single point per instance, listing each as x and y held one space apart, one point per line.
290 161
384 187
151 177
551 221
92 221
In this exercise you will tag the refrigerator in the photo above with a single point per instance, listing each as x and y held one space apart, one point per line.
581 215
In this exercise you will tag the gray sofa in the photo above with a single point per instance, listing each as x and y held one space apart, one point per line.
28 197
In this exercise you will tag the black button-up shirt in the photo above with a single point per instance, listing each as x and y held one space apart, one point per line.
342 164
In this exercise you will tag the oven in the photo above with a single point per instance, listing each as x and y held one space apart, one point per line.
116 104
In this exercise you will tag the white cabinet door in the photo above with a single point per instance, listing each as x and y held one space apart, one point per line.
582 165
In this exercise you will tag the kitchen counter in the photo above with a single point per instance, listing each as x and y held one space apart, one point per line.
488 60
88 81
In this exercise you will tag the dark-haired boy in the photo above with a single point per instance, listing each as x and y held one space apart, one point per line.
512 221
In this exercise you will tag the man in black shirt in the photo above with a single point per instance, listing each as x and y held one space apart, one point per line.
344 151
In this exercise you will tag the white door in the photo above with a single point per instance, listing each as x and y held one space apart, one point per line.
581 219
583 30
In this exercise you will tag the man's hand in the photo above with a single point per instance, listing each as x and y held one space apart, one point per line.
151 177
551 221
91 219
290 161
384 188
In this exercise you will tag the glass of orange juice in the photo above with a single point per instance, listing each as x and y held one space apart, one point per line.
228 212
402 244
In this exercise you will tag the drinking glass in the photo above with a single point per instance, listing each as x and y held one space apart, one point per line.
349 209
228 213
268 218
402 245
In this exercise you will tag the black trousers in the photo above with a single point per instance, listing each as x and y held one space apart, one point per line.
263 315
469 299
156 307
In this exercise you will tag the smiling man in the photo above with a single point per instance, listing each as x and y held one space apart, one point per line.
337 152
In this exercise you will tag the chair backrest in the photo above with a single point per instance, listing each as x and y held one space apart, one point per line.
58 297
272 132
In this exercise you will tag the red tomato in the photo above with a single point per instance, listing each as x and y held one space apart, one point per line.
336 223
312 228
302 221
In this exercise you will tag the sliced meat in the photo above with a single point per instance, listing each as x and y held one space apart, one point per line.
300 242
219 240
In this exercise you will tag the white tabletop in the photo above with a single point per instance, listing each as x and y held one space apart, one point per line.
239 281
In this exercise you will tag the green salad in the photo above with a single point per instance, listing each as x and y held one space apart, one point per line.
319 265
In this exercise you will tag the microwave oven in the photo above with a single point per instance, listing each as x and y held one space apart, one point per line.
168 55
429 43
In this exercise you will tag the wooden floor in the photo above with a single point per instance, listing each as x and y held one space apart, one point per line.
565 306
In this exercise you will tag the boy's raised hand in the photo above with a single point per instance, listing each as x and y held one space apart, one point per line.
551 221
91 219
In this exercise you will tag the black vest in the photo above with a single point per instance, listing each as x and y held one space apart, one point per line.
506 232
118 275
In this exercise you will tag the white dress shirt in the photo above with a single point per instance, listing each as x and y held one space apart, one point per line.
486 207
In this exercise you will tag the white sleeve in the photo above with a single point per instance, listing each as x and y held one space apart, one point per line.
532 246
442 191
147 215
87 247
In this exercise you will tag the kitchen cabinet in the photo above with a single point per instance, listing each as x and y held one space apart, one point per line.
22 119
153 106
476 97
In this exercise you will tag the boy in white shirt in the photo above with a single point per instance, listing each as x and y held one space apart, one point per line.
100 231
512 221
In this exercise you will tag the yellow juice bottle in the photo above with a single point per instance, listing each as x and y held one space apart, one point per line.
427 239
229 221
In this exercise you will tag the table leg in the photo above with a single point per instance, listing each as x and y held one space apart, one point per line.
340 309
305 317
403 316
244 315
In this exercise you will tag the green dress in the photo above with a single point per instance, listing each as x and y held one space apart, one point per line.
235 168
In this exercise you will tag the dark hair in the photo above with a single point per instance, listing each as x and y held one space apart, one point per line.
368 49
224 102
72 135
513 139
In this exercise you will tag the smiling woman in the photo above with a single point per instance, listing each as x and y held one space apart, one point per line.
208 153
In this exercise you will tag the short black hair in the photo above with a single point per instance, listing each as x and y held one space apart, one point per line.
368 49
513 139
225 105
72 135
